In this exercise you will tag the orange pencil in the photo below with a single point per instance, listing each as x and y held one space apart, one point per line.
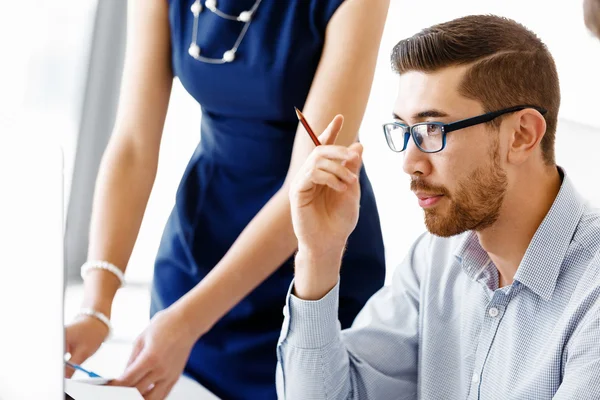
311 133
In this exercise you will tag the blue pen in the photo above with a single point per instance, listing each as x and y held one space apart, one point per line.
80 368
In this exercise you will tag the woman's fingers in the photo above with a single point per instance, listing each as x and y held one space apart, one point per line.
139 368
160 391
148 383
77 357
137 349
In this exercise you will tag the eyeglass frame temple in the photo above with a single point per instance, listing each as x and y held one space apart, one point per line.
480 119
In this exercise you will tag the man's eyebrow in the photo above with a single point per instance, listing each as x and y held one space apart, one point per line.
433 113
430 114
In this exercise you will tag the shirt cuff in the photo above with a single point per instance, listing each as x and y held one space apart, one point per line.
312 324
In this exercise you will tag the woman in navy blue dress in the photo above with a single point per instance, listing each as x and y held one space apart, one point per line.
224 265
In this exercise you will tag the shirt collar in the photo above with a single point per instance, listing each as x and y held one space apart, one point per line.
543 259
540 266
472 256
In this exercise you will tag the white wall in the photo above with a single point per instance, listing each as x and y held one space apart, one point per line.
45 47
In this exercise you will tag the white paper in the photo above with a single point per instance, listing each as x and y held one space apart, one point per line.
92 381
86 391
186 389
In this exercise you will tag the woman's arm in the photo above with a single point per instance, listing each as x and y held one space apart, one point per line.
341 86
129 164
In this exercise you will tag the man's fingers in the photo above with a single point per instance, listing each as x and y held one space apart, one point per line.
332 152
354 161
330 133
341 172
320 177
321 170
357 148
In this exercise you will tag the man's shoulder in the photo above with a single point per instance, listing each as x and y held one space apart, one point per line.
587 234
586 255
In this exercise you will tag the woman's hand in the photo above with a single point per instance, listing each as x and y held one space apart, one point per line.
83 338
159 355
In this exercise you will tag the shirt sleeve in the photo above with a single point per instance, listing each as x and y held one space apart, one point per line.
581 379
375 359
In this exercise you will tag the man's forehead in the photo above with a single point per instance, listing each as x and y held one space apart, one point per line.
431 84
437 92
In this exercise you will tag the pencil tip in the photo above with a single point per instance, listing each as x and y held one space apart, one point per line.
298 113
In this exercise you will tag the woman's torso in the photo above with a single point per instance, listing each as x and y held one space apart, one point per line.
247 134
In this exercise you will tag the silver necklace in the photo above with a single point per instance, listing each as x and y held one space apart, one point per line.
229 55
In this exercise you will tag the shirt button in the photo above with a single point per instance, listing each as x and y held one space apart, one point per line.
493 312
475 378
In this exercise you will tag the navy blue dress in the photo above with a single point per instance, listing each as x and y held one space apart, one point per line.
247 133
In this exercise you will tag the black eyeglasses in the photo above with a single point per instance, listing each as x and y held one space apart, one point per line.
430 137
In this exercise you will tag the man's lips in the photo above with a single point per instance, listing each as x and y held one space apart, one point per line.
428 199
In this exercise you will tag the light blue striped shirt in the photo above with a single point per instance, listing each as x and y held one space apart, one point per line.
444 330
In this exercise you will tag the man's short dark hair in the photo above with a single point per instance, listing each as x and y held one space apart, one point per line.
509 65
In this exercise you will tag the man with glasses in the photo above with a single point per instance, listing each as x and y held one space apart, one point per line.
500 300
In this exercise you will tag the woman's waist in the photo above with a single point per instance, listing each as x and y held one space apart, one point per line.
253 146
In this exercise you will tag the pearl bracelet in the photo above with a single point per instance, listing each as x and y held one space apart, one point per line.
103 265
88 312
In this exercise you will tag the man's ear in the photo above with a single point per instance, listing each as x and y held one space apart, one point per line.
528 128
591 16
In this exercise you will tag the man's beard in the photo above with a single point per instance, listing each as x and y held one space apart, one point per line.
475 205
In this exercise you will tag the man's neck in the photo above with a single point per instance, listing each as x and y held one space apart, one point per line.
524 208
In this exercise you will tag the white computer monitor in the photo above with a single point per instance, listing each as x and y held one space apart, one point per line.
31 270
